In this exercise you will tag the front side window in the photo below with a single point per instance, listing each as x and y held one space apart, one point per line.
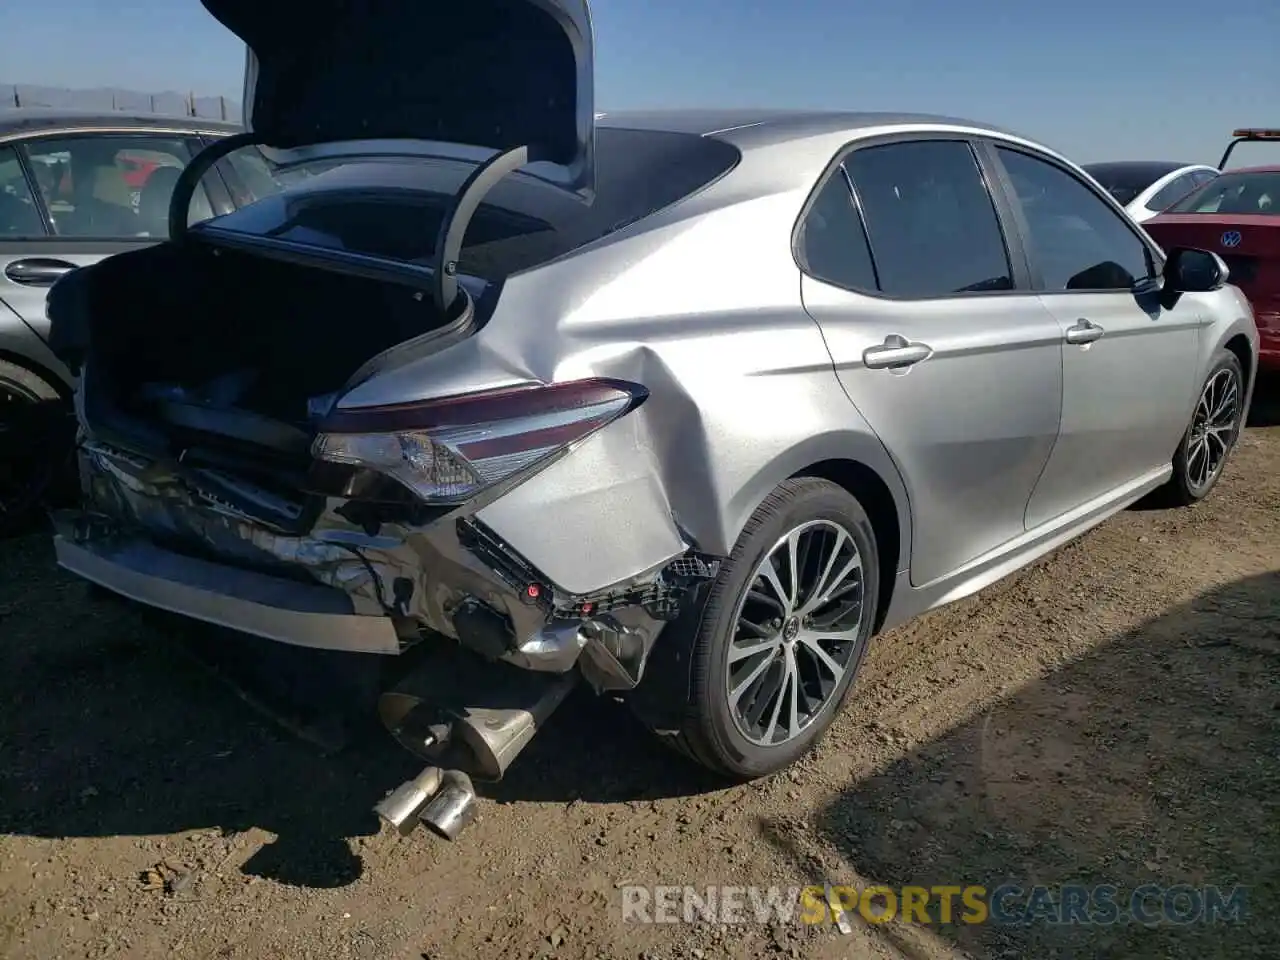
19 215
1077 240
931 223
112 186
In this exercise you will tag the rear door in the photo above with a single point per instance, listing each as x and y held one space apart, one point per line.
935 338
70 200
1128 364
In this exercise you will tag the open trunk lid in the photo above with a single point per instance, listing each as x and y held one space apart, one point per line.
333 78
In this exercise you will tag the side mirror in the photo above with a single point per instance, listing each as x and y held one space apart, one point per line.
1194 271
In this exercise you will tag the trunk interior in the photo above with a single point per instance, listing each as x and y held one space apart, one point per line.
232 329
231 344
222 360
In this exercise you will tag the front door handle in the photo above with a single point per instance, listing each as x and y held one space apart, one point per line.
37 271
1084 332
896 351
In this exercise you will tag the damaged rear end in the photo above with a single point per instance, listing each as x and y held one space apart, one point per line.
365 533
290 426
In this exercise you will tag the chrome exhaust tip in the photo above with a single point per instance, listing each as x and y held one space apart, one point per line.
403 806
452 808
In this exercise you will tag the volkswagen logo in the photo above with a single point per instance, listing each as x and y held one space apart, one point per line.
1231 238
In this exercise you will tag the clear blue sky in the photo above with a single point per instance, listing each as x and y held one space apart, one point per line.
1098 79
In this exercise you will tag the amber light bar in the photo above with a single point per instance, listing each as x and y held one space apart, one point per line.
1248 135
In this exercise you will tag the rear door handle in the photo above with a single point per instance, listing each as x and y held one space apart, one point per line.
896 351
1084 332
37 271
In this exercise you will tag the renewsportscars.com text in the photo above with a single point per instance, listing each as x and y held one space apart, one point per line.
1008 904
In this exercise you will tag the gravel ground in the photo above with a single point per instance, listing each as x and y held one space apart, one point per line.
1110 715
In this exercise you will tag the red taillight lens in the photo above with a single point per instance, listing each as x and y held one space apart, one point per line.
450 449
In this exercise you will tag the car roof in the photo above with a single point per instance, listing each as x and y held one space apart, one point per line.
25 121
775 125
746 127
1153 169
796 146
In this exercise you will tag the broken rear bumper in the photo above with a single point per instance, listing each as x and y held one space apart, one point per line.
305 615
184 540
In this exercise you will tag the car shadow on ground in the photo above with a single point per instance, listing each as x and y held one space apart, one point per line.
1155 759
109 728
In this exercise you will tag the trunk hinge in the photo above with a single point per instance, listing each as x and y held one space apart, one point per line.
456 219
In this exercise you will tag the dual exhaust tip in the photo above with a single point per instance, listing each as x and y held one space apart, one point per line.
444 801
478 717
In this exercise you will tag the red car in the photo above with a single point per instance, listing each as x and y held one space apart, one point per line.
1237 216
136 170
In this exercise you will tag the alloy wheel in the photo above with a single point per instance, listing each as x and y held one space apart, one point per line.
1213 429
796 632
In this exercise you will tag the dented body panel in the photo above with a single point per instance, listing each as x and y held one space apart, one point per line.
386 591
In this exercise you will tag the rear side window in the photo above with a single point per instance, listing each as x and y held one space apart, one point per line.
930 220
833 246
1172 192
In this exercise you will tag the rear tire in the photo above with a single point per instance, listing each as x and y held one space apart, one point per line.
769 671
32 448
1215 427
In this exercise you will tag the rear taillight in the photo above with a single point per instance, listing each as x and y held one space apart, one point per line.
450 449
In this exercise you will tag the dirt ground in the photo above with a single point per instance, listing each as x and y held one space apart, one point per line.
1110 715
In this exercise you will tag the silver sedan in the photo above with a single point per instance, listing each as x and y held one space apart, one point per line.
690 405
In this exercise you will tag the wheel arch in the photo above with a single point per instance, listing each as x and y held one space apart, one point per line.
855 459
1239 345
869 489
42 371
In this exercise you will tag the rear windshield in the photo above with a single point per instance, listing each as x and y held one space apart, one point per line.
1246 192
393 208
1125 181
